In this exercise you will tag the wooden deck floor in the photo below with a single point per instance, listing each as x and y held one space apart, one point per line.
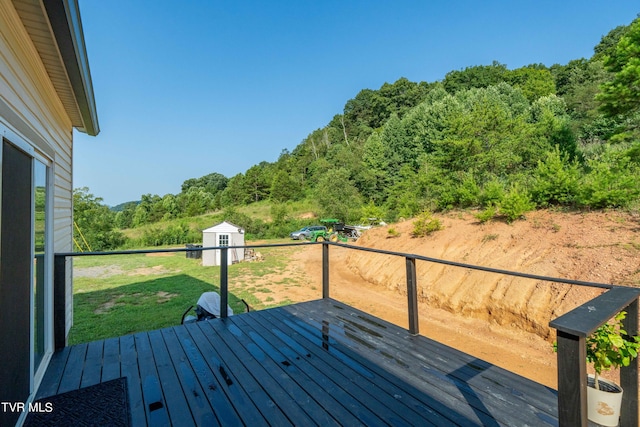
315 363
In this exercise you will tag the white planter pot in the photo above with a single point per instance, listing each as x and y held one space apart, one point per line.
604 405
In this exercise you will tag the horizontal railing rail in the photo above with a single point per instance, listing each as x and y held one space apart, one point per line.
573 327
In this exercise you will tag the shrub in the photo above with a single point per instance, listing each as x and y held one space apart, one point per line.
487 214
611 182
468 192
425 224
556 180
492 193
171 235
516 203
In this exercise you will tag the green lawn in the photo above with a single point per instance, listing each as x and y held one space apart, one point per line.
120 294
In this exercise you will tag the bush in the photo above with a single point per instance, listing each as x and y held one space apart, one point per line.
487 214
468 192
425 224
611 182
556 180
492 193
516 203
171 235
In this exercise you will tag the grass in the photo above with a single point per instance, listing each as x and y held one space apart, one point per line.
122 294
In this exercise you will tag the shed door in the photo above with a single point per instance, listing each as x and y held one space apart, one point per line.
15 278
223 240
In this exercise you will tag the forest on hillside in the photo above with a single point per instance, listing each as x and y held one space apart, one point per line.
486 137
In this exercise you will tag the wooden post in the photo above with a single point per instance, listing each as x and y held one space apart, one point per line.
412 296
629 374
59 301
224 282
325 270
572 380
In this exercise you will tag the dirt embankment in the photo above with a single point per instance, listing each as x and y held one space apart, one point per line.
501 319
594 247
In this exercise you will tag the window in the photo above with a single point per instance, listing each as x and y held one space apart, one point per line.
223 240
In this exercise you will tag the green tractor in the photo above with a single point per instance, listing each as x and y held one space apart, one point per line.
333 233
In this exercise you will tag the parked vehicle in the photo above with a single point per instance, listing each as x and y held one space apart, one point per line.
306 232
337 231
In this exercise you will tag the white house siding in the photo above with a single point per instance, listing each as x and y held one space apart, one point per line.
36 113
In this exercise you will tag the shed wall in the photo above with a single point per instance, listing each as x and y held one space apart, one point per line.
210 239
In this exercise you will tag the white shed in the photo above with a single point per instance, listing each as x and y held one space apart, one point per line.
223 234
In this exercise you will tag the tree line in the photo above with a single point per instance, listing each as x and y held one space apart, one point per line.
487 137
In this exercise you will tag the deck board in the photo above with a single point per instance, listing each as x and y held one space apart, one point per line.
130 370
389 393
235 368
93 371
315 363
222 409
155 408
175 397
470 380
313 378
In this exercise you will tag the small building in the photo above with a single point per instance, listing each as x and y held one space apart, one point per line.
223 234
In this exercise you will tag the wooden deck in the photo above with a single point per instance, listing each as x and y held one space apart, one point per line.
315 363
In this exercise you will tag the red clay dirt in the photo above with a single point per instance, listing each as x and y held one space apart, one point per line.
500 319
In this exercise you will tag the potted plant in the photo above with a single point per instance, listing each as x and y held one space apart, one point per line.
609 347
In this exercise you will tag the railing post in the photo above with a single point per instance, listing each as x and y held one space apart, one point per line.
629 374
572 380
412 296
325 270
224 282
59 301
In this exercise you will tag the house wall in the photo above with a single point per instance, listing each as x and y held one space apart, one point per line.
31 108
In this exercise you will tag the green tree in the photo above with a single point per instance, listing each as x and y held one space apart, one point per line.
608 42
283 187
95 223
236 193
533 81
195 201
622 94
337 196
124 218
373 178
212 183
479 76
149 210
257 181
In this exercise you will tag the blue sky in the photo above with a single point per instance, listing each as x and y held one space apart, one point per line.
187 88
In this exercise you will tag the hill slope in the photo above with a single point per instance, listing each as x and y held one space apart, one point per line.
598 247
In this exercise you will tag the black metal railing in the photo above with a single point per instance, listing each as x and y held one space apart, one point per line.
572 327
